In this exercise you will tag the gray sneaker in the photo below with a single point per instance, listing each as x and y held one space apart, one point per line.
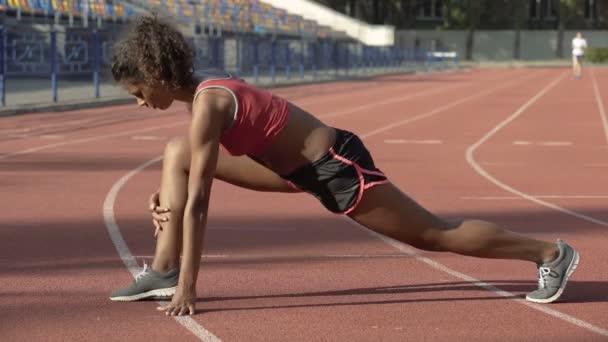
552 276
149 284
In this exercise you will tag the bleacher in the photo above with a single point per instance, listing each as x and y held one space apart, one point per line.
239 16
227 15
106 10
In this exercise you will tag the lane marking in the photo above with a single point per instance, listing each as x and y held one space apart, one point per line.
94 138
254 228
149 137
555 143
600 104
364 89
489 287
125 254
322 256
442 108
120 134
499 198
499 163
386 102
73 121
481 171
51 136
542 143
415 142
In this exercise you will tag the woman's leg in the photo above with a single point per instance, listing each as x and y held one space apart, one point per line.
388 211
239 171
576 66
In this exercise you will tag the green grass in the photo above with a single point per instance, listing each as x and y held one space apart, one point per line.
597 55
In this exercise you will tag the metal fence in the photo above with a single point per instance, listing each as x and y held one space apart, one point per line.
51 57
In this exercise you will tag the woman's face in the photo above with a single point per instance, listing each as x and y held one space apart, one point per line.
156 97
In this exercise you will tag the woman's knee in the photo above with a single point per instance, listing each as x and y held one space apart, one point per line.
435 238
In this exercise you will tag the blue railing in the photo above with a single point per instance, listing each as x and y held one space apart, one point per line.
86 55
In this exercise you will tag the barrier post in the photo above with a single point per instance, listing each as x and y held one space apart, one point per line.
54 64
2 69
256 60
288 60
273 61
302 59
96 62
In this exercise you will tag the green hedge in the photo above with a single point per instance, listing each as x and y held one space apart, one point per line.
597 55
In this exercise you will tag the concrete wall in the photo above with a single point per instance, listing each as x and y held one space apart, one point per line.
376 35
498 45
493 45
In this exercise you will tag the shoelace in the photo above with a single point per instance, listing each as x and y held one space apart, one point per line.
143 273
543 272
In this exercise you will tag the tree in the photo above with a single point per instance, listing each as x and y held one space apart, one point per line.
520 8
566 9
473 16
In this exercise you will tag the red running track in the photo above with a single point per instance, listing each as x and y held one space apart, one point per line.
526 148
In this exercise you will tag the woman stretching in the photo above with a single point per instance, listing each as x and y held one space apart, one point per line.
271 144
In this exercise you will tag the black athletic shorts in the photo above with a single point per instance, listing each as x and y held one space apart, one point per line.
339 178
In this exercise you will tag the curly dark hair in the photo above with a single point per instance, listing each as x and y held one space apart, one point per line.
151 52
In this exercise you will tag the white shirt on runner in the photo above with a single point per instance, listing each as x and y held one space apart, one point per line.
578 46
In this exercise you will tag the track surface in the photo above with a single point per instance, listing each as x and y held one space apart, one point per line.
527 148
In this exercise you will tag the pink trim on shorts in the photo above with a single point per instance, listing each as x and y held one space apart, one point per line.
360 172
292 185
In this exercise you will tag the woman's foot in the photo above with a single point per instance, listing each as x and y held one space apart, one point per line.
149 284
553 276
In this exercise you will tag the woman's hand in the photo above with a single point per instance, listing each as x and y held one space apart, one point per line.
183 303
157 212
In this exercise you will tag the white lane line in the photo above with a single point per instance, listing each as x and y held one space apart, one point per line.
386 102
489 287
254 229
438 266
600 104
414 142
554 143
542 143
365 89
51 136
183 122
125 254
441 109
149 137
321 256
499 163
500 198
94 138
471 160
